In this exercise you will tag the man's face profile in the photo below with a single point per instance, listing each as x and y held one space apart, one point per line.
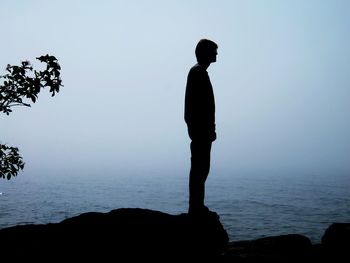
213 55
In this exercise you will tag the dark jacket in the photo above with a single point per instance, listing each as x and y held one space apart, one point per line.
200 105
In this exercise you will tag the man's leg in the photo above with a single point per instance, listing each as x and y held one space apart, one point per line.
200 166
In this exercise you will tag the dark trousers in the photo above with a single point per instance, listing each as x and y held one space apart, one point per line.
200 166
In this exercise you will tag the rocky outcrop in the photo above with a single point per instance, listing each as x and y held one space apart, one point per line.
336 243
283 248
337 236
335 247
122 235
141 235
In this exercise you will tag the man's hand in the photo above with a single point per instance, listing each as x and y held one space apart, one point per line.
214 136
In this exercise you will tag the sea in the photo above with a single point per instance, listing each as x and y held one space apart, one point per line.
249 206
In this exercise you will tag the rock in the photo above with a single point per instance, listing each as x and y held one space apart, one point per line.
283 248
336 243
335 247
337 236
126 233
130 234
284 244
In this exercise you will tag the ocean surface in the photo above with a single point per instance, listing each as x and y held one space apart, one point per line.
249 206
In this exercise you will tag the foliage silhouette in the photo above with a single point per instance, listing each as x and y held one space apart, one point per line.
10 161
18 85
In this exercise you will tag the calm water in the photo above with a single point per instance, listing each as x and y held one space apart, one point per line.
249 206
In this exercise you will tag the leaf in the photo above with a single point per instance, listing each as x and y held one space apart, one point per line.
33 98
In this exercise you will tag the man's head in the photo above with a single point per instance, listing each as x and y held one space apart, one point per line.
206 51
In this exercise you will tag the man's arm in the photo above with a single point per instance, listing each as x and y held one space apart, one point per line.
198 115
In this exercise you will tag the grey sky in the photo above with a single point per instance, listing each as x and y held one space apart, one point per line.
281 84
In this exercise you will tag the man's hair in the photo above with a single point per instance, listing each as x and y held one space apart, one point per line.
204 48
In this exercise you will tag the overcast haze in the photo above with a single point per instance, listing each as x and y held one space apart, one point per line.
281 84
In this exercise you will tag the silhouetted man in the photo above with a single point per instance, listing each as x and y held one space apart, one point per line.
200 120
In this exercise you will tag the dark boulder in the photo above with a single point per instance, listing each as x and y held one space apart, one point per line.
126 233
283 248
337 236
336 242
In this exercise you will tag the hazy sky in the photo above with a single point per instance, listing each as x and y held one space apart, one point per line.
281 84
